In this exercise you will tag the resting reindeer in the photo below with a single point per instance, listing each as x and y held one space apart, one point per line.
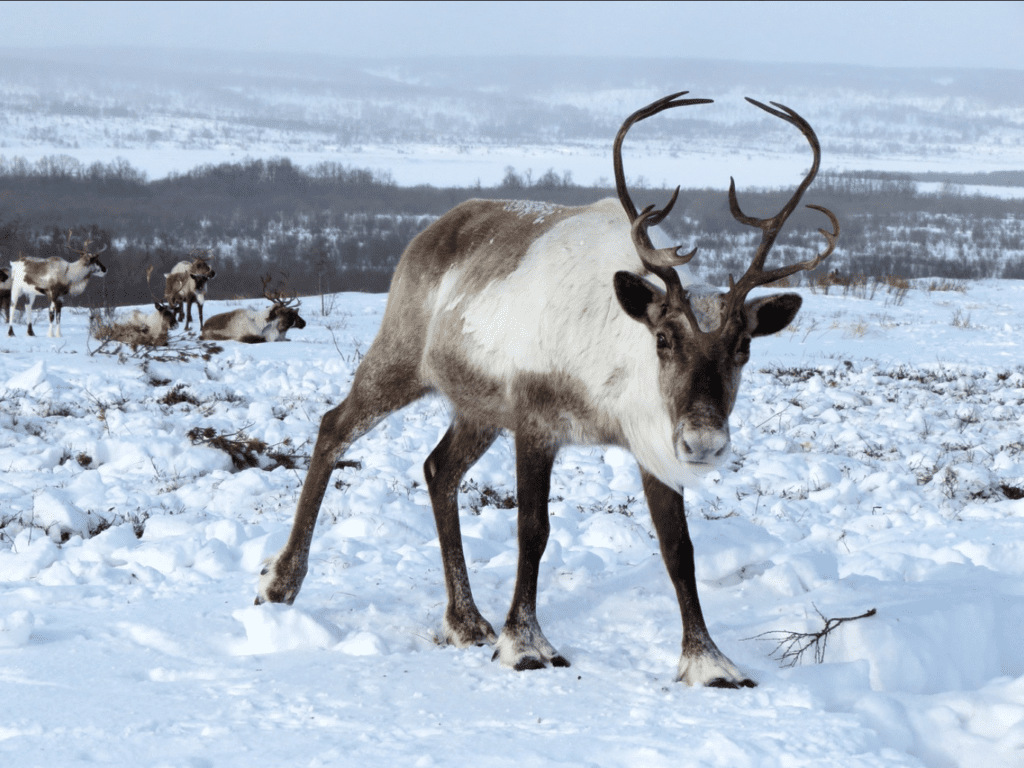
552 323
152 329
255 326
186 285
53 278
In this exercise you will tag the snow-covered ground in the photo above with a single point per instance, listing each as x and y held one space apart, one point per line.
875 441
588 163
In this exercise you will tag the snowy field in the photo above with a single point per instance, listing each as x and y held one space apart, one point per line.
659 164
877 450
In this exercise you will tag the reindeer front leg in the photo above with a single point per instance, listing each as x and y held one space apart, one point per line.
522 644
55 307
701 662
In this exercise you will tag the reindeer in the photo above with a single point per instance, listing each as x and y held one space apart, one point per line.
186 285
156 325
54 278
152 329
562 326
138 328
252 326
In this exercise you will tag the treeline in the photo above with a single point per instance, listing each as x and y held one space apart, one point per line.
333 227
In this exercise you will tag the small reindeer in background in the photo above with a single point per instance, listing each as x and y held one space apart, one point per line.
186 285
53 278
139 329
153 328
252 326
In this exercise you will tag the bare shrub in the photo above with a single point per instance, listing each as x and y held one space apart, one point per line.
246 452
792 645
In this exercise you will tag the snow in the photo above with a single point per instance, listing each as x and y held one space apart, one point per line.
658 163
871 442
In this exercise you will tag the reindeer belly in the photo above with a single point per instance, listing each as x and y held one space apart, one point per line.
492 383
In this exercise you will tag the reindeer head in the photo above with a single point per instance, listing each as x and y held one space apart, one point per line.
285 311
702 338
88 260
200 281
168 316
200 270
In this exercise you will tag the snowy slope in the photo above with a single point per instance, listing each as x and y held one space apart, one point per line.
455 121
875 444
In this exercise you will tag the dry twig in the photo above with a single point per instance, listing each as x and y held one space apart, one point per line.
792 646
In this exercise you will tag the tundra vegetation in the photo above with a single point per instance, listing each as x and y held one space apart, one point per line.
338 228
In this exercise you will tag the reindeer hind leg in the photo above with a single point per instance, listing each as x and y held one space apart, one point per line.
385 381
10 310
460 448
30 299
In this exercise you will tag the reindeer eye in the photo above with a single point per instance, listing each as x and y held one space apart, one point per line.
662 341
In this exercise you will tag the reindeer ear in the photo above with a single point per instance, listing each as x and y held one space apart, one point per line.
771 314
635 296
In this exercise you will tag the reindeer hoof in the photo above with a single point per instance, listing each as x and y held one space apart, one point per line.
530 662
277 584
721 682
472 629
525 647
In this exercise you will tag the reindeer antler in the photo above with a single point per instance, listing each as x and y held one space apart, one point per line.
85 247
277 296
659 261
756 274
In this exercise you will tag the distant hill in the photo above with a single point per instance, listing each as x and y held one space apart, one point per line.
149 105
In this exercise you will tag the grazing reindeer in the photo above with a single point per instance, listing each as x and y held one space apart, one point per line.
546 321
255 326
186 285
54 278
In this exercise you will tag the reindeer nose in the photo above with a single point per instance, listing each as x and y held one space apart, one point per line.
704 446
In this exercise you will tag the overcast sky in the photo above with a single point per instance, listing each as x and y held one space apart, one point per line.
958 34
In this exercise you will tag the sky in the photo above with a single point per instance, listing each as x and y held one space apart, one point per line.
911 34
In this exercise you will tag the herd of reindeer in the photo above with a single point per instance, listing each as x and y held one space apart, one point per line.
56 278
559 325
